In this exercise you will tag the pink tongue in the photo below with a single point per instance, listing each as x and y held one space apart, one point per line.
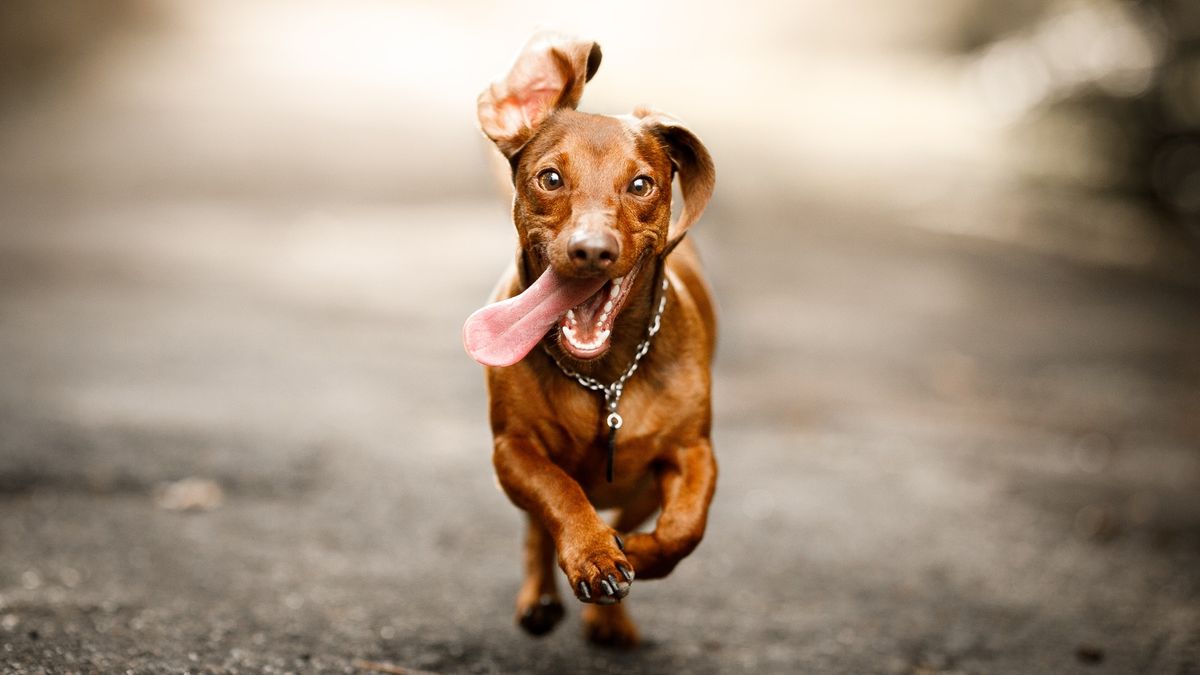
502 333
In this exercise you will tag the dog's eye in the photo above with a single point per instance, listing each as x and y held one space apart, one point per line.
641 186
550 180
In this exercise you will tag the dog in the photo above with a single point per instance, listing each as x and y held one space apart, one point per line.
598 340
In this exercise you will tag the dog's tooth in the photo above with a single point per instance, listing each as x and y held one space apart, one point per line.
602 336
603 317
608 307
616 289
571 315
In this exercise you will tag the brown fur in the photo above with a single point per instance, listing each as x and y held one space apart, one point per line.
549 432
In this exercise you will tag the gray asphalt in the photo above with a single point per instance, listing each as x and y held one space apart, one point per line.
937 454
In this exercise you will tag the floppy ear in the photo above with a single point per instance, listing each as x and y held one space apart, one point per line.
548 74
691 161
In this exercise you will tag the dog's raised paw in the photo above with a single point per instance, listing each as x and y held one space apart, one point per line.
599 573
541 617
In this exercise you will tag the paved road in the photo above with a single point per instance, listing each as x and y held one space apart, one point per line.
938 454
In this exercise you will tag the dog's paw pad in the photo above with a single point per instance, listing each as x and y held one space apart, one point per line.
542 617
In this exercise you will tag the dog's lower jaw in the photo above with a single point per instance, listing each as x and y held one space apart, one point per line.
628 330
585 331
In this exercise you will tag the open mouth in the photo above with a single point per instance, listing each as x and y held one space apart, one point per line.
586 328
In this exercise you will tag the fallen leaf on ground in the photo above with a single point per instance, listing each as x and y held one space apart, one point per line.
190 494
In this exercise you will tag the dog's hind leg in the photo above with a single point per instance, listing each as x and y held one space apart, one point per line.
539 608
609 626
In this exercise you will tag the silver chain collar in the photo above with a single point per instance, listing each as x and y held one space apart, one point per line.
612 392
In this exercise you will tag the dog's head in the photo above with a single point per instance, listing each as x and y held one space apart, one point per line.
592 202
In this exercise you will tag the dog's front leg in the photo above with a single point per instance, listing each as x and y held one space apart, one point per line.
589 550
538 608
686 481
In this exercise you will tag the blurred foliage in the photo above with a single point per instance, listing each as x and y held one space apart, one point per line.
1100 95
40 40
1095 95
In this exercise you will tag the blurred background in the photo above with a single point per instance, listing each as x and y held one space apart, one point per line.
955 246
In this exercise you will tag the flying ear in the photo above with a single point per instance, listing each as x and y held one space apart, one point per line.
693 164
548 74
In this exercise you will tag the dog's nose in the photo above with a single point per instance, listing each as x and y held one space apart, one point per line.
593 249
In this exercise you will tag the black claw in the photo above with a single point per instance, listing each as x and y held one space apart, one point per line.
583 590
612 581
608 590
627 573
620 542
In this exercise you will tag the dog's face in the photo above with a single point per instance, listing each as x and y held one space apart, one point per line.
592 199
592 193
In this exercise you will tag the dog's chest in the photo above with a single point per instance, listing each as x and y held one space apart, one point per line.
648 420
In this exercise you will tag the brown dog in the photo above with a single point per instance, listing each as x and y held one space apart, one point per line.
604 323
